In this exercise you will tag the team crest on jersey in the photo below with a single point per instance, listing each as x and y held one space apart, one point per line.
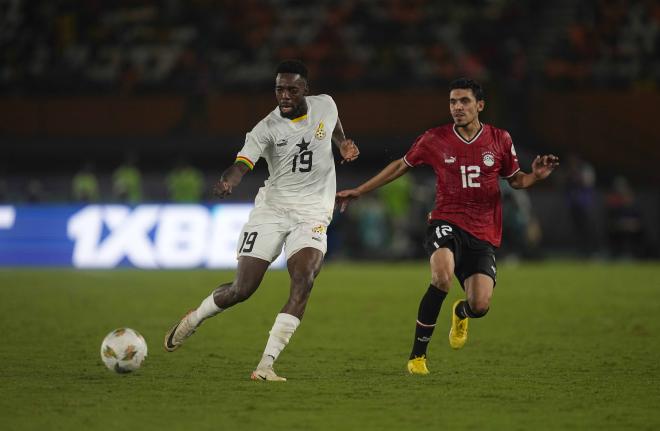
489 158
320 131
319 230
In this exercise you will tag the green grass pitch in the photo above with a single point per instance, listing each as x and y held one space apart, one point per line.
566 346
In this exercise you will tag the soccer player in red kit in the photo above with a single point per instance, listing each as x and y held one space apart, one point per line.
465 226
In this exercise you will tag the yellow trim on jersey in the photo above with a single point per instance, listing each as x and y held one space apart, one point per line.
245 161
302 117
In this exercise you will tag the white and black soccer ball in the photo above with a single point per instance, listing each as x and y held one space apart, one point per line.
123 350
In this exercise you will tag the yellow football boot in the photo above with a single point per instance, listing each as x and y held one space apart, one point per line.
418 366
459 329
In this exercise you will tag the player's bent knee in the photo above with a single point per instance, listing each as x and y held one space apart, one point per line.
303 281
441 280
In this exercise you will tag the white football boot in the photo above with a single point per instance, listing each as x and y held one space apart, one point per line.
266 374
179 332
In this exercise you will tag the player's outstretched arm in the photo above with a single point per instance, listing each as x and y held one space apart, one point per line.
347 148
542 167
230 178
391 172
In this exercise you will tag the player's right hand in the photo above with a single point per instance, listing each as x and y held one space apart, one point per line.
222 189
344 197
349 151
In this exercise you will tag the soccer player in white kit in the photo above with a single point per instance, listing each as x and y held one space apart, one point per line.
293 209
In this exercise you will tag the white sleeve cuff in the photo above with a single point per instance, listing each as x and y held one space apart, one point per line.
514 172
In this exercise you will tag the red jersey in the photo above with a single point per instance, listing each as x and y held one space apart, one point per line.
467 188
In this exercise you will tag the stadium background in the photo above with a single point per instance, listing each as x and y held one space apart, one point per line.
126 93
89 85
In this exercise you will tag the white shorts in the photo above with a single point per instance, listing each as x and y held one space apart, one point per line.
268 229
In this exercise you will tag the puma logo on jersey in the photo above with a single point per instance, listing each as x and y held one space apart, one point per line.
281 143
450 160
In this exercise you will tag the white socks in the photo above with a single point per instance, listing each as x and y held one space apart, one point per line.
283 328
205 310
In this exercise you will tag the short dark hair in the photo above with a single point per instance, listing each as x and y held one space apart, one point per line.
292 66
468 84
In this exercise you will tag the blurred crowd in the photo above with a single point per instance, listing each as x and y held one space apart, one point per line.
609 43
130 46
574 214
197 46
587 220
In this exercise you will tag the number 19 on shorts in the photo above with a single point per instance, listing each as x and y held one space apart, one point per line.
248 242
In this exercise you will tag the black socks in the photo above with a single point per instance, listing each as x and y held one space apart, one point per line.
463 310
429 308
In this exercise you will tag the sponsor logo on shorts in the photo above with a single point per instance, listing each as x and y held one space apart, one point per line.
450 160
281 143
320 229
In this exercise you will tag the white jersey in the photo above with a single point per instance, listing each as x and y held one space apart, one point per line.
299 157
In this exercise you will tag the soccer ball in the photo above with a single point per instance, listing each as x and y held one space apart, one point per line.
123 350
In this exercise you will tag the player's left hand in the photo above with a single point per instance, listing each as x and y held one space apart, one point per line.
344 197
348 150
542 166
222 189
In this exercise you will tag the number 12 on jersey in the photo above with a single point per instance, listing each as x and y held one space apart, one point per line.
469 174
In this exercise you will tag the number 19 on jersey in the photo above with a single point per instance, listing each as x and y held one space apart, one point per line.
302 161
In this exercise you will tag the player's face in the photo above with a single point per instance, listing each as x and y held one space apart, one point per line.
464 107
290 92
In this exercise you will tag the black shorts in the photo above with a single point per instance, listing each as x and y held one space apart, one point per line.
471 255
